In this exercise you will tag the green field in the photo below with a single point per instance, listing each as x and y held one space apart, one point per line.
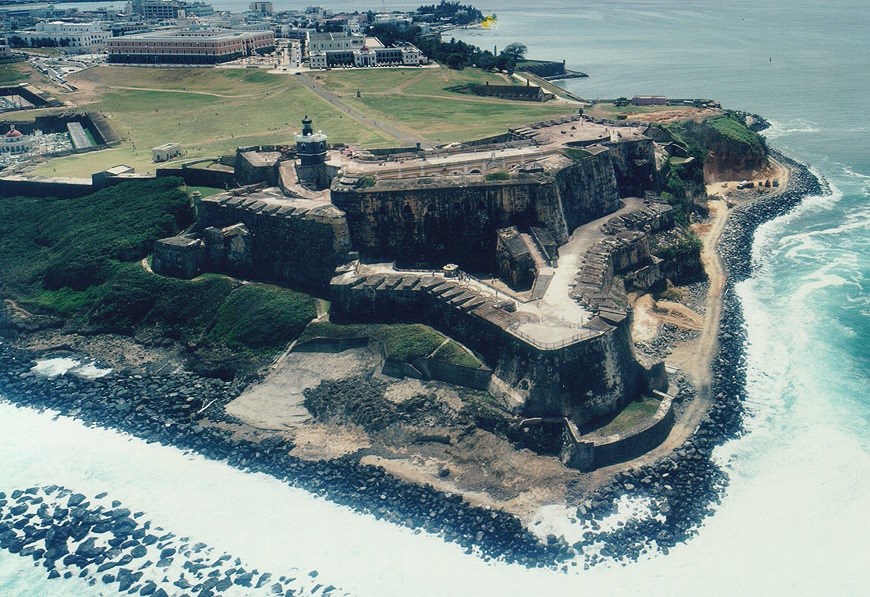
14 72
213 111
209 111
418 100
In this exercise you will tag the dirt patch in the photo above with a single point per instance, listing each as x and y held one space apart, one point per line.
317 441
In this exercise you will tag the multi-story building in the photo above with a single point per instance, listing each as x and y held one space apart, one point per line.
79 38
325 42
198 46
263 8
371 53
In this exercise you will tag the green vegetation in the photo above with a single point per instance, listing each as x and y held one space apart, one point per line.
78 259
493 176
681 243
204 191
452 352
634 413
726 137
56 243
576 153
14 72
403 342
257 316
732 127
419 101
366 182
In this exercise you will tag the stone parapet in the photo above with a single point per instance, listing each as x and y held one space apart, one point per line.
589 372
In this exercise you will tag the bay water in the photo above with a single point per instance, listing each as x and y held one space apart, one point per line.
794 518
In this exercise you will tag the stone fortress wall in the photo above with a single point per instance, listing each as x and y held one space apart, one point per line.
567 358
292 242
590 374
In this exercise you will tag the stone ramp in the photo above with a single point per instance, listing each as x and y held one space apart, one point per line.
278 402
79 137
542 282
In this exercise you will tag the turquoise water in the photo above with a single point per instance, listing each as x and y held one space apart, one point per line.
794 518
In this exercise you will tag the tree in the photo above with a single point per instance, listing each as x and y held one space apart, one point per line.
516 51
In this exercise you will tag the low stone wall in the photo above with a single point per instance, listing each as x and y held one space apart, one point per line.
201 177
590 453
12 187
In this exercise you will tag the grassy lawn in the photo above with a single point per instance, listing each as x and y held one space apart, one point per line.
209 111
213 111
403 342
418 99
14 72
633 414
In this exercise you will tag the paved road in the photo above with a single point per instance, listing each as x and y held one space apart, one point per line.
400 135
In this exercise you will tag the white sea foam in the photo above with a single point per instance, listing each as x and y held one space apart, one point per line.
58 366
274 527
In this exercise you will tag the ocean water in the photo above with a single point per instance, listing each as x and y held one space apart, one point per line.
794 519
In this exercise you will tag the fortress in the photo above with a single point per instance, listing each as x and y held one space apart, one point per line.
521 246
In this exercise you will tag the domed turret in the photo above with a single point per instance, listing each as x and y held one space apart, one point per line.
13 133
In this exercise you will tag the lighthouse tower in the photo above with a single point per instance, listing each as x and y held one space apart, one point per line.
311 151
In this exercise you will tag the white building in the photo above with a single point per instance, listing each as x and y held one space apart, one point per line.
324 42
14 141
372 53
263 8
165 152
76 38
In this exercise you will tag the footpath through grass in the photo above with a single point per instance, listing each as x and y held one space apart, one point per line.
209 111
213 111
419 99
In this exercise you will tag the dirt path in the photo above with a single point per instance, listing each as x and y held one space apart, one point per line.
164 90
401 135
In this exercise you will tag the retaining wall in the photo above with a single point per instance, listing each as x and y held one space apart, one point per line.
589 453
453 219
592 376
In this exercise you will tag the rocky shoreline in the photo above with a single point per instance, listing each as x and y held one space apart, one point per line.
95 538
685 488
682 488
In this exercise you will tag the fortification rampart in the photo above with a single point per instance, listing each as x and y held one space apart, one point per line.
590 374
293 241
635 166
428 221
595 450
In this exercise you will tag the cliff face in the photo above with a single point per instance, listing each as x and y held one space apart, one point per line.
724 144
732 159
634 163
414 223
